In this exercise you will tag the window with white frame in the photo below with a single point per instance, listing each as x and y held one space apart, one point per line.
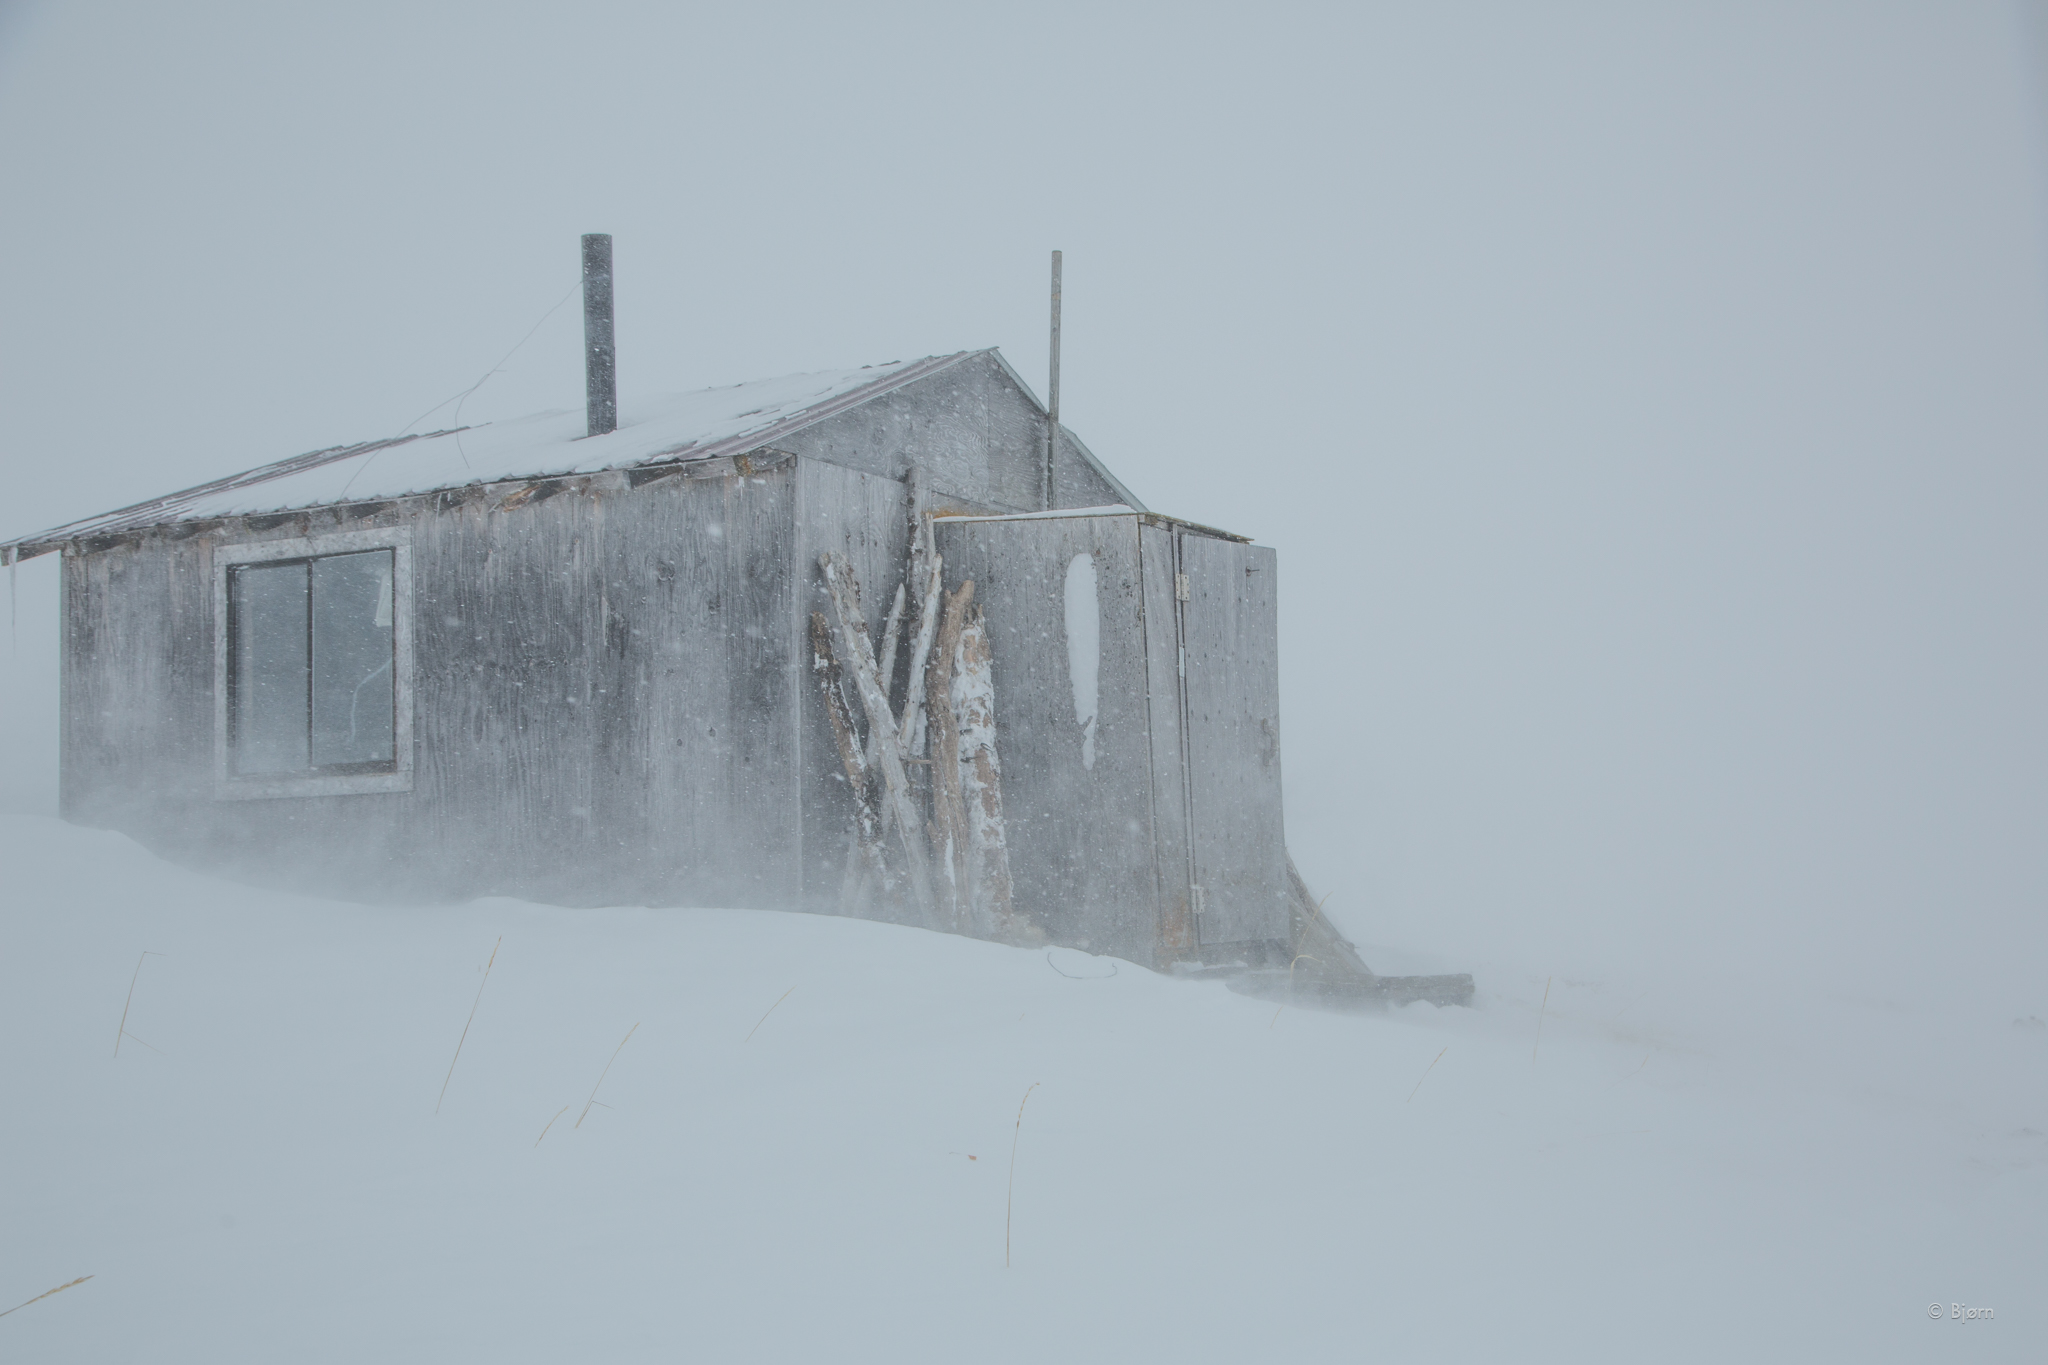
313 693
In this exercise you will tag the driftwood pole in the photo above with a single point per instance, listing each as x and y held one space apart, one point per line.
600 355
909 596
858 656
949 812
867 859
980 777
909 729
923 578
892 630
1052 385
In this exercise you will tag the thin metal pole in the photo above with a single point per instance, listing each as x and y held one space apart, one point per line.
600 356
1052 416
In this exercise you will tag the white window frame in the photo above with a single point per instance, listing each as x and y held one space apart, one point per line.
230 786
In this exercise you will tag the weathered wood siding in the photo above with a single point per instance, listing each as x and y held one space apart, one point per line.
979 437
605 702
1166 709
1230 630
1184 791
1075 482
137 705
1081 837
866 518
611 693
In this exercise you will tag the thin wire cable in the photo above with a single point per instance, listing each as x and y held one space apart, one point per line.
460 398
497 368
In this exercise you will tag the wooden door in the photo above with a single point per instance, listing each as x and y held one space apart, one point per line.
1230 686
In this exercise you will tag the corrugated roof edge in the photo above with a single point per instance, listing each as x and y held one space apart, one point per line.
168 508
159 510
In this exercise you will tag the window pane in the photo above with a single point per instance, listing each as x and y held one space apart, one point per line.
270 667
352 692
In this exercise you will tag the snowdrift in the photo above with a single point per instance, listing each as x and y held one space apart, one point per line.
804 1149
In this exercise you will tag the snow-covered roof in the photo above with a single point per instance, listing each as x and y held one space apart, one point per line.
688 426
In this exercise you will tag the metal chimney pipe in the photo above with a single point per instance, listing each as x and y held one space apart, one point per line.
600 356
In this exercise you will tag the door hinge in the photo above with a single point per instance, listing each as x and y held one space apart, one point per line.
1180 588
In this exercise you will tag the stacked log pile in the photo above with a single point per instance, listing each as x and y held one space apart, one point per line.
948 860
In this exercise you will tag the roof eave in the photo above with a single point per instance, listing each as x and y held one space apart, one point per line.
168 508
142 516
171 508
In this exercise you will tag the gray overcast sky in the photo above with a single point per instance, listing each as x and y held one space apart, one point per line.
1646 401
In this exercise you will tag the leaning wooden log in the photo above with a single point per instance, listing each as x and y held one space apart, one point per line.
916 566
866 863
856 654
892 630
981 784
921 566
949 812
910 727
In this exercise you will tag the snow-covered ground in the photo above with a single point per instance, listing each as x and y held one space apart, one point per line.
1680 1170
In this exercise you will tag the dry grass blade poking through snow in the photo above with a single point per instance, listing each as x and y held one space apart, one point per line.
551 1123
608 1071
466 1023
1539 1016
47 1292
1010 1191
123 1033
1425 1073
762 1020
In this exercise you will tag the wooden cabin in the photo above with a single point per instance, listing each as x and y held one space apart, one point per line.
519 659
